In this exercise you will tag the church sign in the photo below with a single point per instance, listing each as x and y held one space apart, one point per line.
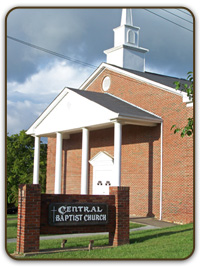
61 214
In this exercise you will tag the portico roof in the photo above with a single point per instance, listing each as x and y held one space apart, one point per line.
74 109
121 107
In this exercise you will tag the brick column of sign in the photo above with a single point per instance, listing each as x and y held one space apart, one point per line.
121 234
28 225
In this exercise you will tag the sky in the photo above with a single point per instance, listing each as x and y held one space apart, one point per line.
35 78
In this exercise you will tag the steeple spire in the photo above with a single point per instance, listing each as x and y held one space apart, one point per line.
127 17
126 52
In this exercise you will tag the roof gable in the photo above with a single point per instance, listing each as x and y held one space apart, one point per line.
159 81
71 112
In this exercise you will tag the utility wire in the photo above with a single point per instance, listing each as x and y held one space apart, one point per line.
184 12
168 20
176 15
84 63
52 52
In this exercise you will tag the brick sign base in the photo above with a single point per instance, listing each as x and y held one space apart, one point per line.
33 216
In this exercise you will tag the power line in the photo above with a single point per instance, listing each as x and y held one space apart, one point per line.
84 63
184 12
52 52
176 15
169 20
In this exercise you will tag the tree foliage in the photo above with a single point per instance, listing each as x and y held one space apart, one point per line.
20 156
188 88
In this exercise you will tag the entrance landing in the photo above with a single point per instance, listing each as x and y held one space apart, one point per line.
151 221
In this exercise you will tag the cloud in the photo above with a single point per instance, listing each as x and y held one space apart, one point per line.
51 79
78 33
26 101
20 115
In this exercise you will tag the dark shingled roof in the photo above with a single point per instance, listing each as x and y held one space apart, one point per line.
116 105
163 79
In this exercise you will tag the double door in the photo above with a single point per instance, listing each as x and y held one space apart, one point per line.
102 180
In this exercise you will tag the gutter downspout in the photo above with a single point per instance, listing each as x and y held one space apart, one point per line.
161 168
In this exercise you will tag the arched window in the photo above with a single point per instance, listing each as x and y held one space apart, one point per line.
130 37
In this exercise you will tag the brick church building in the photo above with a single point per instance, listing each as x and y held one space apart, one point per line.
116 130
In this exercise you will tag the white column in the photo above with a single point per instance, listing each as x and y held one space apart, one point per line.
36 166
58 168
161 168
84 167
117 152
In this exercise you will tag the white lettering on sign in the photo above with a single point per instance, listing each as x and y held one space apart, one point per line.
71 218
96 217
68 209
63 214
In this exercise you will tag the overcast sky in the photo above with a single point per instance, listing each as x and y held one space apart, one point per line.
35 77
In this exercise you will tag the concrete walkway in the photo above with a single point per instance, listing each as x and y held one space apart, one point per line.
152 222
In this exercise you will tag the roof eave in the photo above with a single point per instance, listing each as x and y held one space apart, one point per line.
137 121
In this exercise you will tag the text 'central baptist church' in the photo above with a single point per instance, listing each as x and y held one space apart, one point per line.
115 130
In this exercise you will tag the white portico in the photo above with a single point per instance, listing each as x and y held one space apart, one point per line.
76 111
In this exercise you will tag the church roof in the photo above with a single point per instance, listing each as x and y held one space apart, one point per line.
116 105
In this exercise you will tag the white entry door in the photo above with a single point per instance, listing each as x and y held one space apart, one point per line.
102 173
101 181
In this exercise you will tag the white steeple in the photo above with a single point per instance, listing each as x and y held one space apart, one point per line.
127 17
126 52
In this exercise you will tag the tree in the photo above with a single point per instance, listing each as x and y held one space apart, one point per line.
20 156
188 88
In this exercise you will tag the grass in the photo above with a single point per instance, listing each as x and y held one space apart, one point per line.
135 225
12 228
11 225
11 216
167 243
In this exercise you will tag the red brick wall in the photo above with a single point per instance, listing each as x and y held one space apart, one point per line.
72 155
28 224
140 153
121 233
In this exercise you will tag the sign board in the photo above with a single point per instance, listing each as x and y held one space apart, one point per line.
61 214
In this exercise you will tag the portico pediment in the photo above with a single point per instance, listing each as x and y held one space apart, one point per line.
75 109
70 112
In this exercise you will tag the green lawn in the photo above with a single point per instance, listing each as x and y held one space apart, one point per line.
167 243
11 216
12 228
